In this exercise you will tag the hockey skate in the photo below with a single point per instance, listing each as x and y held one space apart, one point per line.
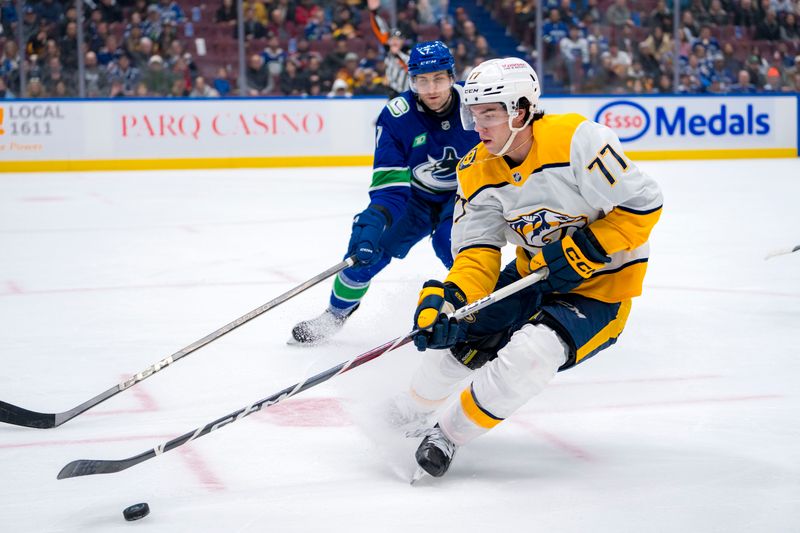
319 329
435 453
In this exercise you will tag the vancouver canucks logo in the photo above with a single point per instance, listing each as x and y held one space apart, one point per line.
438 174
544 226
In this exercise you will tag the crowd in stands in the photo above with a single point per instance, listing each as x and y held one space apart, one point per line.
185 48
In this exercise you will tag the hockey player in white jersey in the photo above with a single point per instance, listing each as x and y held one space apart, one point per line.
560 188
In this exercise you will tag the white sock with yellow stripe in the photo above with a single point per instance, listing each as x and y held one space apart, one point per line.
521 370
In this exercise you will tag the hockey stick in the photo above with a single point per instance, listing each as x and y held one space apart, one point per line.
11 414
782 251
87 467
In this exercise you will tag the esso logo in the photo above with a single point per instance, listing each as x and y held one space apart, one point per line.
628 119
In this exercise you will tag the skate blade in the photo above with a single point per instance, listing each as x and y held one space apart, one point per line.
419 473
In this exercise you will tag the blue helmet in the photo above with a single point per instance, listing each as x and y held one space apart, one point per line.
430 56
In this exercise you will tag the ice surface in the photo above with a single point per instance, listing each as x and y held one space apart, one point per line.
689 423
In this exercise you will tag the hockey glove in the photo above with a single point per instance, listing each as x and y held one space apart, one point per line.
436 301
571 260
368 227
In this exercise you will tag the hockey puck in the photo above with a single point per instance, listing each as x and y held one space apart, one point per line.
136 512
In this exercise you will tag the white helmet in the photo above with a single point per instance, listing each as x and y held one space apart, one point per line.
505 81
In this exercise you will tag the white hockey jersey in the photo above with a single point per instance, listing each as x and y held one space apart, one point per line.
575 175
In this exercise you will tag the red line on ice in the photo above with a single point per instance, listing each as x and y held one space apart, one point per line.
201 469
557 442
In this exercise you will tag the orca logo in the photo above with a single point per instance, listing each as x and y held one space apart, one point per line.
439 174
628 119
545 226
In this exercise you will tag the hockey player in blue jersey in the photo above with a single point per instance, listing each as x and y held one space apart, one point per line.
419 141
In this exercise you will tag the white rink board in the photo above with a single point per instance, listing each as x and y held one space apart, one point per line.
200 133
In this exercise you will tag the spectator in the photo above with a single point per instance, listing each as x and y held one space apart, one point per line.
129 75
291 82
170 12
661 17
302 54
395 60
340 89
49 11
152 26
141 90
769 29
94 78
277 25
659 42
109 51
259 10
305 11
717 16
790 32
774 83
253 29
202 90
117 89
342 24
370 84
370 59
226 13
110 11
745 14
618 14
178 89
221 82
334 60
5 93
743 84
708 41
317 26
259 82
35 88
142 52
157 80
274 56
54 75
575 51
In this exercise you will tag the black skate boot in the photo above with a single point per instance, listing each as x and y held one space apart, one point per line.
319 329
435 452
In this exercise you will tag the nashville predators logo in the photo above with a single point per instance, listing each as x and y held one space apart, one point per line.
545 226
468 159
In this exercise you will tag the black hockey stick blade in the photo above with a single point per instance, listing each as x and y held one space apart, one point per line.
11 414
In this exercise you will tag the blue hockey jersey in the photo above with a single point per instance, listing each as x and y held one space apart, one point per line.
417 150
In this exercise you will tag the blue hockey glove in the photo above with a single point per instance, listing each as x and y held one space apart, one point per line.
436 301
368 227
571 261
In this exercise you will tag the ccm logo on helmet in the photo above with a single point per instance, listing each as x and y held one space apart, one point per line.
515 65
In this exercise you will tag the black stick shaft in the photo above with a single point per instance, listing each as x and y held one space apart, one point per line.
12 414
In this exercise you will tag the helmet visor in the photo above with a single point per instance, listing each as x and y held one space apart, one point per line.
483 116
433 82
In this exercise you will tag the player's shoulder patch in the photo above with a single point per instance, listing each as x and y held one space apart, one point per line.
468 159
398 106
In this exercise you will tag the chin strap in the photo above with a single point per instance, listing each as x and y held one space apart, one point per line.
513 135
